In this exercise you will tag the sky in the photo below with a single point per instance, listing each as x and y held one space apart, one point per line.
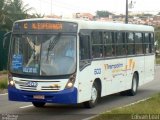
63 7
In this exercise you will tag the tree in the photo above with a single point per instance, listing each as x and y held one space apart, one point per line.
36 15
157 37
10 11
103 14
4 16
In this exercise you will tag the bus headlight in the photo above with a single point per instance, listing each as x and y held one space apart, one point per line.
71 81
11 82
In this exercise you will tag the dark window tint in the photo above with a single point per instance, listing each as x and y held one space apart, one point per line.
84 47
139 48
108 37
97 44
131 49
130 37
109 50
120 37
120 45
151 42
97 51
147 48
120 50
130 43
138 43
146 37
138 37
97 37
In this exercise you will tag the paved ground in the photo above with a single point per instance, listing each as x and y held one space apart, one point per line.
25 111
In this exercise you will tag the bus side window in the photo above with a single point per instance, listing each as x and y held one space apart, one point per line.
130 43
120 44
138 43
84 47
151 43
97 44
146 42
109 49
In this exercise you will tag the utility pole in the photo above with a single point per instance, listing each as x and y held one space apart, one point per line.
126 18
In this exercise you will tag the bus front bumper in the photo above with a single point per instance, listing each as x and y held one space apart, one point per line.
67 96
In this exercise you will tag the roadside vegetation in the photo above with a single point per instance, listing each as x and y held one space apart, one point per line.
12 10
3 72
3 79
158 59
3 82
147 109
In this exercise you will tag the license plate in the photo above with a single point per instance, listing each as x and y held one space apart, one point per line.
41 97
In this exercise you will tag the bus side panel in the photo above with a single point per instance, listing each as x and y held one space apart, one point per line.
149 68
140 68
115 75
86 78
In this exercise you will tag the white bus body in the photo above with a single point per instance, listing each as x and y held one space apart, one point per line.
108 74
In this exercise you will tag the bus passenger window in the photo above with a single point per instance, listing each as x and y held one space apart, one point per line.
120 46
97 51
151 43
97 44
138 43
84 47
130 43
146 43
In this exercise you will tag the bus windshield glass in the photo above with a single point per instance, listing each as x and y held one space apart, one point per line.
43 54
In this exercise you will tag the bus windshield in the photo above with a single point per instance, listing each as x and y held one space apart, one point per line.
45 54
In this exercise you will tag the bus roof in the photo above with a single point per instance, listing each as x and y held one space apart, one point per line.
82 24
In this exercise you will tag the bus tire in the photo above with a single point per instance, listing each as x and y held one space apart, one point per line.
95 94
134 87
38 104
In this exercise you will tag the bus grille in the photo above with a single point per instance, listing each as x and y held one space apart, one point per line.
40 86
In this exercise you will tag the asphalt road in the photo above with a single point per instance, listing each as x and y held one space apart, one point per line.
25 111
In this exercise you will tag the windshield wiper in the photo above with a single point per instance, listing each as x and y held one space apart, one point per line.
52 43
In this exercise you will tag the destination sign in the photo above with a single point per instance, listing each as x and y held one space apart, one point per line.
44 26
48 26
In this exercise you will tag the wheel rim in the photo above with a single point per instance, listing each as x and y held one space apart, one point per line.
93 94
134 84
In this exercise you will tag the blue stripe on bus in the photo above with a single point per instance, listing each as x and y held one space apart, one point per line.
67 96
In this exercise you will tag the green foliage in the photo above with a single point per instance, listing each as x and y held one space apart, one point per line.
36 15
147 107
157 36
3 72
10 11
3 83
158 59
103 14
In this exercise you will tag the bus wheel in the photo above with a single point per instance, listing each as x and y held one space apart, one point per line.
134 87
38 104
94 96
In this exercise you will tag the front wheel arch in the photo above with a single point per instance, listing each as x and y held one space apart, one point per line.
96 85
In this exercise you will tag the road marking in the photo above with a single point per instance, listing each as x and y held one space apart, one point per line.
135 102
4 94
89 118
117 108
26 106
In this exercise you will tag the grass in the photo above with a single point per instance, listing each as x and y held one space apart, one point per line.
3 72
3 82
158 59
146 109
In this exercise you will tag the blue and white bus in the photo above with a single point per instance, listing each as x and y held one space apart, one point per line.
75 61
